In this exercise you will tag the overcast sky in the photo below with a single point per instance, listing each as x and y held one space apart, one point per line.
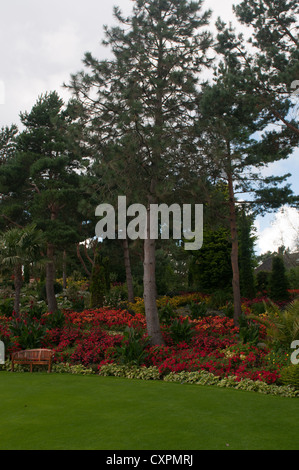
43 42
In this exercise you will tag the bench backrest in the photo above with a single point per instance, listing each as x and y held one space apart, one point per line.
34 354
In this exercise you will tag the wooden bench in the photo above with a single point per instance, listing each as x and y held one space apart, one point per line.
32 357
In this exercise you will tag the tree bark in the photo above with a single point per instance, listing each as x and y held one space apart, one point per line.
234 252
129 277
18 285
150 291
82 261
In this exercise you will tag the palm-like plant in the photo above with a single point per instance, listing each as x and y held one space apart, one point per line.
19 246
282 325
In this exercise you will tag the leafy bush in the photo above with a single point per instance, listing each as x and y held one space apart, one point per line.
132 349
36 310
220 298
258 308
66 368
27 332
262 280
290 376
6 307
54 319
116 296
278 283
42 291
198 309
207 378
282 325
166 314
99 281
249 331
197 377
130 371
181 330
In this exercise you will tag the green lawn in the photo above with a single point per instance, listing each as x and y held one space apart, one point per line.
53 411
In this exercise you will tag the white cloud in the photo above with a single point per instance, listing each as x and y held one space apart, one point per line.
283 229
61 46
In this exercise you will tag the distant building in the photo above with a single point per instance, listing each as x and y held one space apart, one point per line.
291 260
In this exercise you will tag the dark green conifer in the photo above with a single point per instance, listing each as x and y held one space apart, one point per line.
278 283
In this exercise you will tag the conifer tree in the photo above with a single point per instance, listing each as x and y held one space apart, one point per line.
278 282
7 142
143 100
272 58
230 119
45 171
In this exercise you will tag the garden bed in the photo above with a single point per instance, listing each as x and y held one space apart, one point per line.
97 338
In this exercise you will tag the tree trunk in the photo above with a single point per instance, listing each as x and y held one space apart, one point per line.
50 278
82 260
150 291
129 278
18 285
64 277
234 252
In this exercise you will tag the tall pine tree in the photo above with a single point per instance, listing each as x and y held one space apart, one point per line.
238 144
143 100
272 58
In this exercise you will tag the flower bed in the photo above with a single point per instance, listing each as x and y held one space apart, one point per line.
94 338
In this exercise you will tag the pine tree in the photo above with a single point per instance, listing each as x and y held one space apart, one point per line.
7 142
145 99
229 121
45 171
273 66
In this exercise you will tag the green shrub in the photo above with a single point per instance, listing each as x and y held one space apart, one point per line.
42 291
208 379
54 319
198 309
130 371
278 283
249 331
258 308
290 376
166 314
37 310
6 307
132 349
282 325
66 368
116 296
220 298
181 330
27 332
99 284
228 309
197 377
262 280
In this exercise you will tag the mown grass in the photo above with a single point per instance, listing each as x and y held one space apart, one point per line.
43 411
